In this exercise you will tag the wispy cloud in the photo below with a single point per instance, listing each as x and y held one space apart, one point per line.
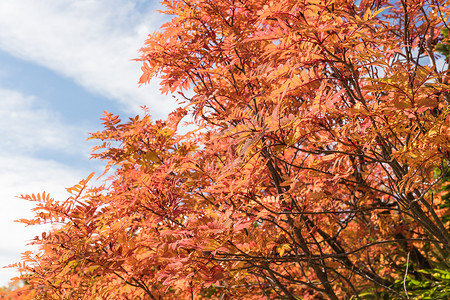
90 41
26 126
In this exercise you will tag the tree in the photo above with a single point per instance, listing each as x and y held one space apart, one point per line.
321 143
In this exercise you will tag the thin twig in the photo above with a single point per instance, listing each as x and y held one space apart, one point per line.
406 274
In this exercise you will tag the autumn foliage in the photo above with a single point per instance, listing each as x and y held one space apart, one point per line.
315 167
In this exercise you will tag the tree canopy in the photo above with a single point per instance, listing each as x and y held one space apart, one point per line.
316 167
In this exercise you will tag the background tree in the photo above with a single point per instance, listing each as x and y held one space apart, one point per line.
321 143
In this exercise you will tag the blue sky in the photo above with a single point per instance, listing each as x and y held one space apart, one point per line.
62 63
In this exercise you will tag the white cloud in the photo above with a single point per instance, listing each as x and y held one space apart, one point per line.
20 174
90 41
27 127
